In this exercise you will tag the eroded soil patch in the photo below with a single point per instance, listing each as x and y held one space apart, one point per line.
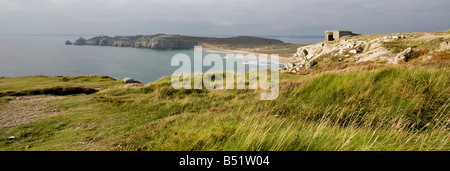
21 110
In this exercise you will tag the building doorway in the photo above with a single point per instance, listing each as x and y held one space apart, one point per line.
330 37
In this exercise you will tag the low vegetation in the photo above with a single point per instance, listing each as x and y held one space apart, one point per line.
58 85
364 108
284 50
18 84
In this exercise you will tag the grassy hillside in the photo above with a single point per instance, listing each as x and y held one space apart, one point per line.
41 82
58 85
364 108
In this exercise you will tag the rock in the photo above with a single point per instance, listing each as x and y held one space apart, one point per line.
68 42
56 110
445 46
304 52
27 147
311 63
403 56
427 58
11 138
130 80
353 51
127 80
350 45
290 65
80 41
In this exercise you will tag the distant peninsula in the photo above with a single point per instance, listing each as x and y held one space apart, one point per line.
169 42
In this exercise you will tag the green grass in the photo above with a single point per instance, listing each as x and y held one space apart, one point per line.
390 108
57 85
42 82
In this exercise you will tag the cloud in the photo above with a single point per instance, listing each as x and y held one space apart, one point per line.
295 17
10 5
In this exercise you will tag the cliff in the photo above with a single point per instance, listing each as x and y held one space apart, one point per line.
162 41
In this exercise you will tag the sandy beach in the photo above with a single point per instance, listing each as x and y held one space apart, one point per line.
281 59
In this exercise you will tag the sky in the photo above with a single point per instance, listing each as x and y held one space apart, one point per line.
222 17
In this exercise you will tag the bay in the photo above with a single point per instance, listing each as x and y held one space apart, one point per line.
28 55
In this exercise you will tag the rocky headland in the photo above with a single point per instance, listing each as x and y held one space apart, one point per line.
167 42
390 48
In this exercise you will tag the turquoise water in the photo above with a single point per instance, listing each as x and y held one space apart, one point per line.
22 55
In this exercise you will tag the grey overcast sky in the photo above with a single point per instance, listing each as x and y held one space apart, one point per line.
221 17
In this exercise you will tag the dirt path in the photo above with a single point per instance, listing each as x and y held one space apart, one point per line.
21 110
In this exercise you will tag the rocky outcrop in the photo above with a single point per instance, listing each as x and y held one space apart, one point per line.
311 63
402 57
80 41
68 42
393 49
445 46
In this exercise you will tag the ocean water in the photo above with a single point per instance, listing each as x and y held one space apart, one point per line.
28 55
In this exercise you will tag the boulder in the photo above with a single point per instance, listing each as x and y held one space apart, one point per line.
304 52
68 42
403 56
11 138
311 63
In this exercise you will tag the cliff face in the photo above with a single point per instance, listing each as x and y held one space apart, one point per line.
161 41
150 42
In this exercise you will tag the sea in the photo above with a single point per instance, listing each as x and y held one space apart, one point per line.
29 55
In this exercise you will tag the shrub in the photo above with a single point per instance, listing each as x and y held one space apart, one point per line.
418 53
169 91
441 55
51 91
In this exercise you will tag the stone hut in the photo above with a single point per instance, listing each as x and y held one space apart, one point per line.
331 35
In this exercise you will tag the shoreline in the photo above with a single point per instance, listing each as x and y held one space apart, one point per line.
281 59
